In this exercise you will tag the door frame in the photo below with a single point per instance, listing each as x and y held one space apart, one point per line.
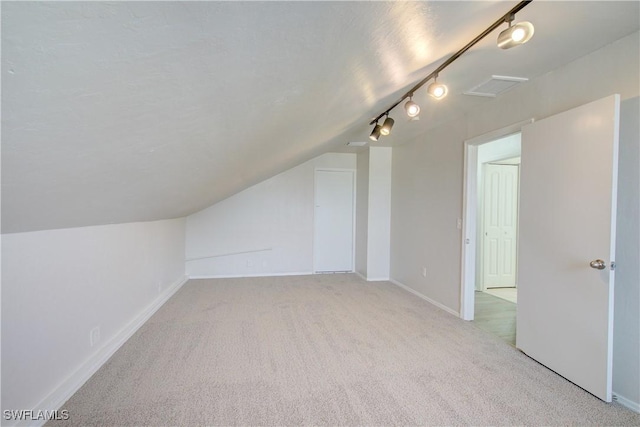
353 219
470 214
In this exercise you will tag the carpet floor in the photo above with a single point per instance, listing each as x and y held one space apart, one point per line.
323 350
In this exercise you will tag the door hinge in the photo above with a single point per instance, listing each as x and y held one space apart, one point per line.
613 265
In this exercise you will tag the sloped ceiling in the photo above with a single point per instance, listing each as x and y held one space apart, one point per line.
131 111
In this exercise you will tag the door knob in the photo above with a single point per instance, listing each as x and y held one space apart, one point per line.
598 264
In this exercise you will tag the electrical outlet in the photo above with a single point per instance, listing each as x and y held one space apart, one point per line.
424 271
94 336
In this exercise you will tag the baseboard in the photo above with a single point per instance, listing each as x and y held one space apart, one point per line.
371 279
64 391
236 276
360 275
634 406
429 300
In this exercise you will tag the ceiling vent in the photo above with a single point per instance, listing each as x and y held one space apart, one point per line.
495 86
356 143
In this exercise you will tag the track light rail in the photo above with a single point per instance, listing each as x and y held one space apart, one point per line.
507 17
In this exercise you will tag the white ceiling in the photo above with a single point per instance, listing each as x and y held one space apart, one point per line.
130 111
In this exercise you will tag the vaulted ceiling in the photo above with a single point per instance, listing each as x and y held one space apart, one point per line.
130 111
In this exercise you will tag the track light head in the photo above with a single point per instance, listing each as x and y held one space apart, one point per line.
437 90
375 133
412 108
515 35
386 126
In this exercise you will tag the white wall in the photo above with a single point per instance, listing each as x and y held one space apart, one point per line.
59 284
626 330
379 214
266 229
428 170
612 69
362 212
373 213
500 149
426 202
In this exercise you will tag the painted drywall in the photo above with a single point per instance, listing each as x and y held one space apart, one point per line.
626 330
612 69
59 284
373 213
188 103
428 170
500 149
379 213
426 195
264 230
362 212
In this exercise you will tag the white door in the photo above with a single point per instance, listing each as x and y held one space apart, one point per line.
568 181
500 219
333 234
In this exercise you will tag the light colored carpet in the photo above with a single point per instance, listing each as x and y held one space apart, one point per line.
508 294
323 350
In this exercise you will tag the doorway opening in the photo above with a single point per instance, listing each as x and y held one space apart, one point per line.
495 302
497 233
492 170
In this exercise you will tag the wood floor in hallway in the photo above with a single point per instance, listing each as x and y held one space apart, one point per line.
496 316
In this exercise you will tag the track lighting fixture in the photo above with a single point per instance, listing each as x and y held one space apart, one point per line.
375 133
386 126
412 108
437 90
515 35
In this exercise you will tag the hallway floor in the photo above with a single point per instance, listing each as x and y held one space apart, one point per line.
496 315
509 294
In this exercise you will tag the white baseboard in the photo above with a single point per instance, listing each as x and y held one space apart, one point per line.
429 300
371 279
360 275
68 387
236 276
634 406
